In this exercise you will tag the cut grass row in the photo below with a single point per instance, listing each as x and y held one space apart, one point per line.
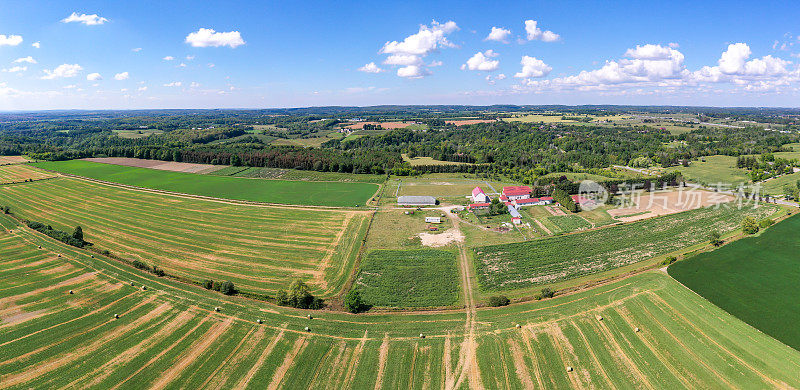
18 173
551 260
336 194
755 279
259 248
170 336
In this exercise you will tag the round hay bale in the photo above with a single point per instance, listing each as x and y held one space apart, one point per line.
40 247
599 318
144 287
569 368
133 284
59 255
637 330
259 321
116 315
217 308
518 326
310 317
308 329
422 336
92 256
71 292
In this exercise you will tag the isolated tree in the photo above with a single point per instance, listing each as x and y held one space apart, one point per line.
208 284
749 225
499 300
353 301
714 238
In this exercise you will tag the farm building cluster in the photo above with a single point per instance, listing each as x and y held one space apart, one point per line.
515 197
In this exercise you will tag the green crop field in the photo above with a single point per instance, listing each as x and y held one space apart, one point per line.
170 336
776 186
429 161
293 174
259 248
716 169
409 278
755 279
268 191
550 260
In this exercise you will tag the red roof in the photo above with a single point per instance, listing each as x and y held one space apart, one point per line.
516 190
476 191
476 205
529 200
503 198
550 198
580 200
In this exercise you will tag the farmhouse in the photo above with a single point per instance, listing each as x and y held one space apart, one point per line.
407 200
433 219
545 200
517 192
581 201
478 196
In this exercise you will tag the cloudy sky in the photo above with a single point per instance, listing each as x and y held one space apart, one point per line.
252 54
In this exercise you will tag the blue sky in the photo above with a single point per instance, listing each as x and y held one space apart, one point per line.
111 55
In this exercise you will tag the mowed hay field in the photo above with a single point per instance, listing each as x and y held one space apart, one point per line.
755 279
715 170
18 173
259 248
4 160
170 336
556 259
336 194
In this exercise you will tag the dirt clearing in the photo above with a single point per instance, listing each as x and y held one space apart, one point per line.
156 164
654 204
441 239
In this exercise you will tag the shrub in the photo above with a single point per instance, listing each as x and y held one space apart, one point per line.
765 223
749 225
6 210
140 265
299 296
499 300
227 288
158 271
669 260
714 238
547 293
354 303
207 284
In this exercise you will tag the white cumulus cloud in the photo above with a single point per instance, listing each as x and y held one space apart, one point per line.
403 59
94 77
36 44
136 49
27 59
173 84
10 40
533 67
89 20
536 33
168 58
63 70
370 68
413 72
121 76
482 61
15 69
206 37
498 34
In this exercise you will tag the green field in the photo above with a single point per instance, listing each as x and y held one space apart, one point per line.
170 336
294 174
267 191
755 279
776 186
716 169
409 278
414 161
551 260
259 248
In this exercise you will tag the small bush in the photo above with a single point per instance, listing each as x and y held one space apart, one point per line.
207 284
499 300
548 293
669 260
749 225
227 288
765 223
158 271
140 265
354 303
714 238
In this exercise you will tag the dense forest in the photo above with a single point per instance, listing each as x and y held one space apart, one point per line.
525 151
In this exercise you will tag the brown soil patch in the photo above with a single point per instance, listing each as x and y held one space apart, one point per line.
653 204
435 240
555 210
22 316
4 160
157 164
382 354
385 125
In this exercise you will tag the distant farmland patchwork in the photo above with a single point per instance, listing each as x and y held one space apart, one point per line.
170 335
269 191
550 260
260 249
